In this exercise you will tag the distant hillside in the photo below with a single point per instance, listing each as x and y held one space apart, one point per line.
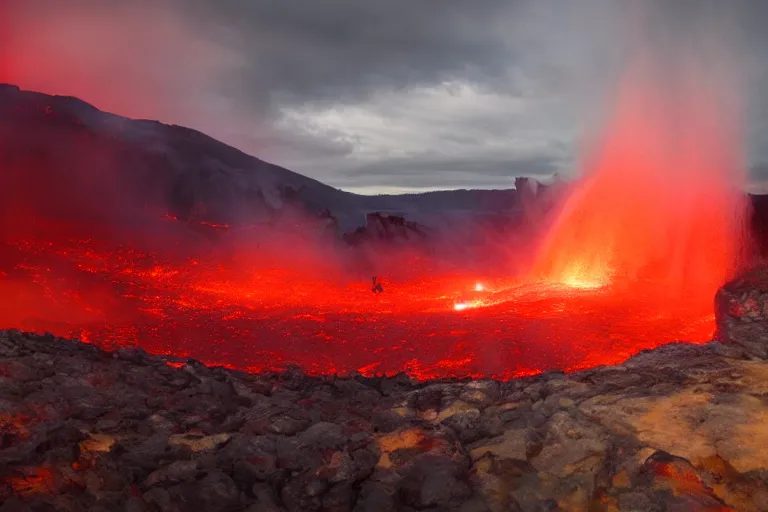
62 155
63 158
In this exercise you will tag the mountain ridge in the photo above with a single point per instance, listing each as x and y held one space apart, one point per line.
189 168
55 152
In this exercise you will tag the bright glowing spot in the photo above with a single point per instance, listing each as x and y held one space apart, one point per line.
584 283
460 306
479 287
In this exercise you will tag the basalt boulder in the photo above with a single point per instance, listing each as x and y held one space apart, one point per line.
741 312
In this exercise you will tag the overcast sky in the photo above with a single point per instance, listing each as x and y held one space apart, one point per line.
372 95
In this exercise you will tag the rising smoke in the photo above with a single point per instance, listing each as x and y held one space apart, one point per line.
141 59
660 201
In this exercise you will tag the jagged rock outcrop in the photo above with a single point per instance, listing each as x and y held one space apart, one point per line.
387 228
741 311
536 199
683 427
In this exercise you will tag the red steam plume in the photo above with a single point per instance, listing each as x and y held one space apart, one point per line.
140 59
660 205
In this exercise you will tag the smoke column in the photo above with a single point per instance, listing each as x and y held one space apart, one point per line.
660 201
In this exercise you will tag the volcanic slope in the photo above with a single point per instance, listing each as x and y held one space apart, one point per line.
66 154
63 154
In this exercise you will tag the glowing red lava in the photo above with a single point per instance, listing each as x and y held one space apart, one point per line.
632 261
266 317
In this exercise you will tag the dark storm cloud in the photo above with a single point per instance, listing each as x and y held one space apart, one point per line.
339 50
311 57
426 93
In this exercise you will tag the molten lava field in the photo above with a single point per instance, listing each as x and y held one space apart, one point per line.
628 259
225 311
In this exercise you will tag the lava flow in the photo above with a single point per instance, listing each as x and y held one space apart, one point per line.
631 261
248 312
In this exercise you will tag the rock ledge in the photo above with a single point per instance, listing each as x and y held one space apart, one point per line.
680 428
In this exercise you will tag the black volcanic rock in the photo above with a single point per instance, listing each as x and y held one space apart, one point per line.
759 222
741 311
381 227
682 427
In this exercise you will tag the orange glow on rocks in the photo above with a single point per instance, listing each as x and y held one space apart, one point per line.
14 425
33 481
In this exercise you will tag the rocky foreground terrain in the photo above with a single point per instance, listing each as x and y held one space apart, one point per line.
680 428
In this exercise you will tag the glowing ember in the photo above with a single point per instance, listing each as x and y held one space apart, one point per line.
32 481
575 281
14 425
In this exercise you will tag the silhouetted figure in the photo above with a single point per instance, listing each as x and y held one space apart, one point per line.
377 288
